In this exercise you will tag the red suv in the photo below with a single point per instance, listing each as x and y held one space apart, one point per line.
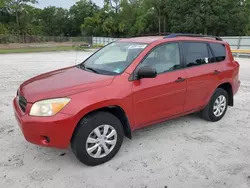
127 85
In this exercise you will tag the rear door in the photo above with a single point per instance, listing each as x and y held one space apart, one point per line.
161 97
203 74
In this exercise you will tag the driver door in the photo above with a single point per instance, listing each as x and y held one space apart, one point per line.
159 98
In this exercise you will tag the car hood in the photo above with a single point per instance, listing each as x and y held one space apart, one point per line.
62 83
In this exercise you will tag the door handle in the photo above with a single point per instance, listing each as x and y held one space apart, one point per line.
180 80
216 72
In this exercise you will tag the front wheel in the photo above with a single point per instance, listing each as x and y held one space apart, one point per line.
217 106
97 138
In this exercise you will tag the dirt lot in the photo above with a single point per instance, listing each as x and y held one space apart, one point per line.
183 153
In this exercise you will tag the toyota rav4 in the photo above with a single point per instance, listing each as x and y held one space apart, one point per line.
124 86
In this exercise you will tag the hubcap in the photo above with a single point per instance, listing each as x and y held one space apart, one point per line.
219 105
101 141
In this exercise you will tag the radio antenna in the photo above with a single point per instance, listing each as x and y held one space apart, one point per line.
76 55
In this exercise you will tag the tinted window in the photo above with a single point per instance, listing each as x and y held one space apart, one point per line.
219 51
196 53
164 58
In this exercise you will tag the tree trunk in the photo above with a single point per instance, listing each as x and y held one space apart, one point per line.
205 31
17 3
164 29
17 22
159 22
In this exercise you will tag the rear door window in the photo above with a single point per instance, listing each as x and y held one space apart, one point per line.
219 51
196 53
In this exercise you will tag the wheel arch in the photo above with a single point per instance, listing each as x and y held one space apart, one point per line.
116 111
227 86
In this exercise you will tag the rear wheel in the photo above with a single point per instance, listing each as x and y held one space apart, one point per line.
217 106
97 138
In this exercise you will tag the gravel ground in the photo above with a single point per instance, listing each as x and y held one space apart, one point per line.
186 152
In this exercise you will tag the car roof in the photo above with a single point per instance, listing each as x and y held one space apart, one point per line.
147 40
151 39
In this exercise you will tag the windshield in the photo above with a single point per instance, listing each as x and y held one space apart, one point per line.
114 58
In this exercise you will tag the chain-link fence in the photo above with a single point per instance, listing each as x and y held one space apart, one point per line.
236 42
7 39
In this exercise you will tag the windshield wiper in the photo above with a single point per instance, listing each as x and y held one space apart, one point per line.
92 69
82 66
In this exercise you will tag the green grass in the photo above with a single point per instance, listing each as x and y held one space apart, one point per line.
43 49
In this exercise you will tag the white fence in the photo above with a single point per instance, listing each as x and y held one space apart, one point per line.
102 40
235 42
238 42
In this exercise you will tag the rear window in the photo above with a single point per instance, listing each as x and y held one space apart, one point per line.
219 51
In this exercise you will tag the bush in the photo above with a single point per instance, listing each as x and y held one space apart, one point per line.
97 45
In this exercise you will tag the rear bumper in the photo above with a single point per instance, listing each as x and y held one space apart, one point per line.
55 131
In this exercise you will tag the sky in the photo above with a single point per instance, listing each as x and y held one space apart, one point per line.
62 3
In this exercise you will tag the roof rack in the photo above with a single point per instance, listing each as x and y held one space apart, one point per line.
173 35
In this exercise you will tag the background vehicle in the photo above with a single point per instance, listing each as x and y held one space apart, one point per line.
125 86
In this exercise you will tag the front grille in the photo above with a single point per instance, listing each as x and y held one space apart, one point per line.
22 103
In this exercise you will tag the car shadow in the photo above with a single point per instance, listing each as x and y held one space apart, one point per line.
66 157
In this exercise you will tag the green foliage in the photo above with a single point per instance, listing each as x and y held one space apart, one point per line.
2 3
3 29
122 18
55 21
92 26
79 12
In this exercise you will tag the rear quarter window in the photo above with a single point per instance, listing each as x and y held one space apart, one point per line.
219 51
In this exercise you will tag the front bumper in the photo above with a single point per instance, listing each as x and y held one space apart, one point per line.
54 131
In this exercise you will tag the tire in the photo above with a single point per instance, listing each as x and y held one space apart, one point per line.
208 112
85 130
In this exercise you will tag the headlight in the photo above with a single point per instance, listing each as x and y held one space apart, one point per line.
48 107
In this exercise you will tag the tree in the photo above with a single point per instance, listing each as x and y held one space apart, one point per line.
2 3
78 12
55 21
90 25
115 5
159 7
17 7
124 18
3 29
30 23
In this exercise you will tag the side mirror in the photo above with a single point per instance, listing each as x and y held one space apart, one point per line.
147 72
